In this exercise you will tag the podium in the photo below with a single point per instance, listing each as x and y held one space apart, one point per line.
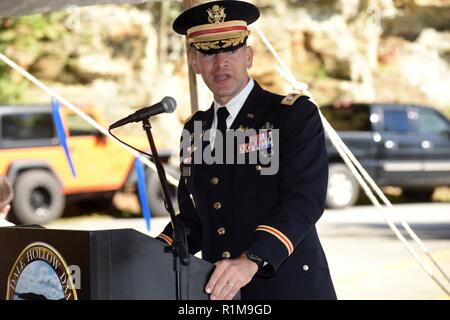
39 263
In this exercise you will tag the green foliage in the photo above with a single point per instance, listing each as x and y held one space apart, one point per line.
27 32
25 35
11 89
320 72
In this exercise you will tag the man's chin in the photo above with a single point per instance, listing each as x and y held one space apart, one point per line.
222 91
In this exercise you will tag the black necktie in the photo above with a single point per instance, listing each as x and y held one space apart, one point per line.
222 115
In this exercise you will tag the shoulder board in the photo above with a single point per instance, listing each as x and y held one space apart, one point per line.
290 99
198 112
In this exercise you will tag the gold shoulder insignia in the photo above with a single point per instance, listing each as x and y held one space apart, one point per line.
290 99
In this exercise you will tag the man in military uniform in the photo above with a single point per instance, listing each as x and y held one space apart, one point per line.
258 229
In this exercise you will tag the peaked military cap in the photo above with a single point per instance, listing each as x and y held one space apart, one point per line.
217 26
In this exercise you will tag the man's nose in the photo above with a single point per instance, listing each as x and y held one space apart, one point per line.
222 59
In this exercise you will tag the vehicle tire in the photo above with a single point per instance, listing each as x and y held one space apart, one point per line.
422 194
343 189
155 193
38 197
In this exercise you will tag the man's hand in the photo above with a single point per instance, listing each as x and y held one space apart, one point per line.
229 276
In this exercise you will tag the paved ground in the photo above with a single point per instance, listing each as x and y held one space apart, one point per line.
367 260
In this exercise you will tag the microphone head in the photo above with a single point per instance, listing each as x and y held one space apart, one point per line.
169 104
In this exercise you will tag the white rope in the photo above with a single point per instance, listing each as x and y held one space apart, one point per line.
350 160
83 115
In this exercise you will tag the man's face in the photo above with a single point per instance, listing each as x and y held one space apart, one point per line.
224 73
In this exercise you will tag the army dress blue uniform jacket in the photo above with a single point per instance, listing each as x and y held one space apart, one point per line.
233 208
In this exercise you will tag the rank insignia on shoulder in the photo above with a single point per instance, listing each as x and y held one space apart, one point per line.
290 99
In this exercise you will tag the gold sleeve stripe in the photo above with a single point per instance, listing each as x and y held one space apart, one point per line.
277 233
166 238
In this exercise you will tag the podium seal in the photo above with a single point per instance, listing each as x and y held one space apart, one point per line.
40 273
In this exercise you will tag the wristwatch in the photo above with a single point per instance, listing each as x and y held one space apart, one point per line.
255 259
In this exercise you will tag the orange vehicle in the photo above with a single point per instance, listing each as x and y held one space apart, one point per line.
33 159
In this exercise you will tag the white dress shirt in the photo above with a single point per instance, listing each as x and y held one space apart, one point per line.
233 106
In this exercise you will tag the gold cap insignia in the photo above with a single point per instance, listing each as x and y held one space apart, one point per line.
216 14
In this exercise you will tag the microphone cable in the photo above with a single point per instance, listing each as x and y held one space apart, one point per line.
134 148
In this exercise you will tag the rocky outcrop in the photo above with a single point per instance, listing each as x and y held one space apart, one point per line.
353 44
433 77
413 16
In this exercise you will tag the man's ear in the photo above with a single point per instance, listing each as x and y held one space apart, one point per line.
249 57
193 61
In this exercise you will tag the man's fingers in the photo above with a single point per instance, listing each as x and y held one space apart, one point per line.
232 293
217 274
228 281
228 278
220 285
228 288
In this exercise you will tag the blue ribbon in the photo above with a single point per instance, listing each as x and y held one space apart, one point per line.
62 134
142 191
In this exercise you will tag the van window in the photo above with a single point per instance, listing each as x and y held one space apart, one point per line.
348 118
429 121
27 126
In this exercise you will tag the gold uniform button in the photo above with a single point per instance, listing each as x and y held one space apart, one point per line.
214 180
221 231
258 167
217 205
226 255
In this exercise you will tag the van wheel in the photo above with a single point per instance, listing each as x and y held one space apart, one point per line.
343 189
38 198
156 195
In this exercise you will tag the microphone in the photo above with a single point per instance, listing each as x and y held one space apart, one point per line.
167 104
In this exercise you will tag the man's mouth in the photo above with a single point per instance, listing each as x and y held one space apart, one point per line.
221 77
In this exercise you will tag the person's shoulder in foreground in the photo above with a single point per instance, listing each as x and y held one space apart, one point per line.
6 196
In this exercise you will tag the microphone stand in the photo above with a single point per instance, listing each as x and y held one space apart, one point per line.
179 248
